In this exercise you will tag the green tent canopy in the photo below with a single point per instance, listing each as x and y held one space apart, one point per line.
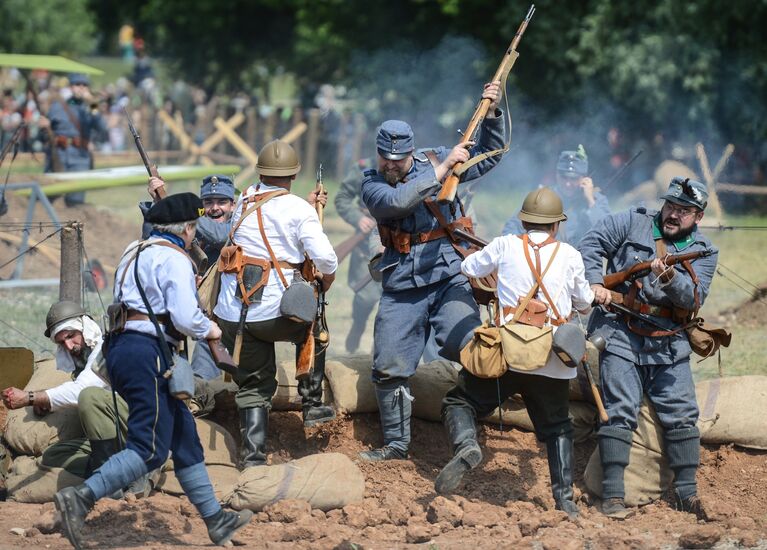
55 63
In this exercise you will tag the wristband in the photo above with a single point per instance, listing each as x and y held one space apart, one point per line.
31 398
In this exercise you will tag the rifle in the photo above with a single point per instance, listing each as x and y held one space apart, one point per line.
345 247
317 335
199 257
617 175
450 186
469 238
640 269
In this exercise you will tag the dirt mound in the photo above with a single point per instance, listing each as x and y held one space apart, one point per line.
752 312
105 236
505 502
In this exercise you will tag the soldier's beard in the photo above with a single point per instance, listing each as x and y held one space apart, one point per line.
393 175
673 230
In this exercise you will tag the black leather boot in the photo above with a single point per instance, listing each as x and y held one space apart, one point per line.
74 503
253 426
383 453
310 390
559 451
462 434
224 524
395 408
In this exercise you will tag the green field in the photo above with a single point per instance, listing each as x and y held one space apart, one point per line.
740 250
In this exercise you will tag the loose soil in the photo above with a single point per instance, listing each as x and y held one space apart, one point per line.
506 502
753 311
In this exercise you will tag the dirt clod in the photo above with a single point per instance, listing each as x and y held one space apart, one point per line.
702 536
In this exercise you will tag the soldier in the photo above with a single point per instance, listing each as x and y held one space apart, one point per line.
642 359
585 205
293 230
366 292
545 391
78 339
75 123
423 289
155 274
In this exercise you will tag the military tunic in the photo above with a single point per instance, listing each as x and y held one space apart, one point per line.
423 290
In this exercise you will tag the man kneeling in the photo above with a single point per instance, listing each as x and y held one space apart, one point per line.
540 280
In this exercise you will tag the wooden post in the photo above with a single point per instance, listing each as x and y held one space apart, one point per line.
269 127
71 275
341 146
250 127
311 140
298 116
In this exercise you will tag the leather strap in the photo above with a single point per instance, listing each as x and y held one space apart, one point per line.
140 246
539 275
509 309
275 261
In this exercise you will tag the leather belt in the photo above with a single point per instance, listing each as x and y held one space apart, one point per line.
66 141
508 310
135 315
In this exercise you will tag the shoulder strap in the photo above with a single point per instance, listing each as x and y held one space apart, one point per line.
258 201
536 268
272 256
166 353
144 244
72 118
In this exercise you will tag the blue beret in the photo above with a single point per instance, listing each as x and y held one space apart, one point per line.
687 192
572 163
79 78
181 207
217 186
395 140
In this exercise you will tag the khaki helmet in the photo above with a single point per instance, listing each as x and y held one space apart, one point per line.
542 206
278 158
61 311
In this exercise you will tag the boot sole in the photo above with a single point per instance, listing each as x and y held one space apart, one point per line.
452 474
318 421
243 522
61 506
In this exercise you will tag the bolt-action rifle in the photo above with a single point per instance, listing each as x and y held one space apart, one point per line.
640 269
450 186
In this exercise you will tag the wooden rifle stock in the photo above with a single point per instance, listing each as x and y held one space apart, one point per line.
221 357
469 238
450 185
641 269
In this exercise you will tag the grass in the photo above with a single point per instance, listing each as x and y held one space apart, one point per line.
25 310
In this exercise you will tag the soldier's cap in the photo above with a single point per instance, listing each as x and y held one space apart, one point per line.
79 78
181 207
573 163
217 186
395 140
687 192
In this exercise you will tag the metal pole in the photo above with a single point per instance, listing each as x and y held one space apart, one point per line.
71 284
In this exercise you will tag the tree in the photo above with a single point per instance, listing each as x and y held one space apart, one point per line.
64 27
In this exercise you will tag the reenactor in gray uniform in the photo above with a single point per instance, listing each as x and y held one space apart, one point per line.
423 288
75 123
640 359
584 205
366 292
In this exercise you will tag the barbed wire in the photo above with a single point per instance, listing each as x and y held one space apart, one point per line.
30 249
27 338
752 293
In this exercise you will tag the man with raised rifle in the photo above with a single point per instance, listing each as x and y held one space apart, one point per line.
648 351
423 288
274 230
584 204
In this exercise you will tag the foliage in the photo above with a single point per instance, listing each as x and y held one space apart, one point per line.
62 27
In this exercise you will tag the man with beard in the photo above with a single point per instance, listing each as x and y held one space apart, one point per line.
75 122
423 288
640 358
585 206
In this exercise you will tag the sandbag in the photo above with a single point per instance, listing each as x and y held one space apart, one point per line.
222 477
733 410
29 434
353 391
286 398
326 481
31 482
648 475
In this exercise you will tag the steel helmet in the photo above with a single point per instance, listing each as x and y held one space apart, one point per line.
61 311
542 206
278 158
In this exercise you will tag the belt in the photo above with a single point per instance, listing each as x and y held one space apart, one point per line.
66 141
508 310
135 315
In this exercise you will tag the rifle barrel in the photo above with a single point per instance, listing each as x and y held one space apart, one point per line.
468 237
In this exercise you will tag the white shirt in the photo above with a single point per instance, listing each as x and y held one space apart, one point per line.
65 395
293 229
167 278
565 282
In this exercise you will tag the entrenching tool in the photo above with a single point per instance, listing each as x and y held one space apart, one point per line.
599 343
249 278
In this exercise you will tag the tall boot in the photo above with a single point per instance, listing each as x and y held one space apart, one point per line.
395 408
614 450
559 452
310 390
462 434
683 452
74 503
253 425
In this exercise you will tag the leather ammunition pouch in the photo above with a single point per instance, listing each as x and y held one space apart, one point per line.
402 242
65 141
117 316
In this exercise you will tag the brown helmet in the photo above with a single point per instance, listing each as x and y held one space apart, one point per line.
542 206
61 311
278 158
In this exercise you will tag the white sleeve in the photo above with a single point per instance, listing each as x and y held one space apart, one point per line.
484 262
316 244
65 395
582 295
180 297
